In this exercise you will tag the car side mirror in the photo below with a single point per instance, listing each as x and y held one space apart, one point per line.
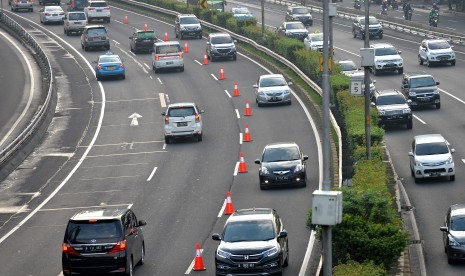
255 86
410 153
257 161
208 42
305 157
216 237
374 81
235 41
373 104
400 52
202 111
437 83
409 102
289 83
406 86
142 223
282 234
451 46
163 113
444 229
452 150
130 37
41 10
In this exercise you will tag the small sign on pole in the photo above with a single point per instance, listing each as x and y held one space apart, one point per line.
356 84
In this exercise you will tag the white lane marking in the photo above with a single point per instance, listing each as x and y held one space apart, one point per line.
213 76
118 165
56 154
463 160
447 93
453 29
125 143
198 62
220 214
162 99
164 146
86 152
122 154
131 146
191 266
227 93
151 175
418 118
31 91
146 65
116 42
159 80
91 192
240 138
84 207
131 100
452 21
133 58
236 168
238 114
108 177
13 209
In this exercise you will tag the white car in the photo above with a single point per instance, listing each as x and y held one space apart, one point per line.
314 42
241 13
52 14
348 66
431 156
97 10
182 120
272 89
387 58
434 51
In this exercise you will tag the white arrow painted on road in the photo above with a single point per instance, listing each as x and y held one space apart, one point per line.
134 118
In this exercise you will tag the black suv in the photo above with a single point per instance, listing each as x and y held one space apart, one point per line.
142 41
392 108
299 13
103 240
253 241
187 25
421 89
375 28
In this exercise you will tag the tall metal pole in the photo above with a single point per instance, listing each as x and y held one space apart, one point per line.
367 84
326 229
263 21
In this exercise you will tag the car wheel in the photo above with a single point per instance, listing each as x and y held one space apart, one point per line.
97 77
409 124
420 60
235 57
303 184
31 9
86 48
212 58
142 255
156 70
438 106
452 63
429 63
180 35
380 36
167 140
362 36
123 77
452 178
64 30
375 72
412 173
286 262
181 69
107 47
289 102
199 138
262 186
417 180
400 70
130 271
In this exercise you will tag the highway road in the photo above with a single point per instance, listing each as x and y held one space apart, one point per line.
431 198
93 157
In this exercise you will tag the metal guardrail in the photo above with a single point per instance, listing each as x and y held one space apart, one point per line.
19 141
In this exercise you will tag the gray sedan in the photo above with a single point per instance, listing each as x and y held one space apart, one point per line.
272 89
52 14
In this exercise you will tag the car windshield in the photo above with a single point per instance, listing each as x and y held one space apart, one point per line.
457 223
385 51
83 232
145 35
300 11
295 26
281 154
241 11
257 230
221 40
373 21
317 37
431 148
348 66
168 49
269 82
188 20
181 111
439 45
422 82
77 16
391 99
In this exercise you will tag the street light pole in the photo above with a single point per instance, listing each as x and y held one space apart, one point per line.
263 21
367 84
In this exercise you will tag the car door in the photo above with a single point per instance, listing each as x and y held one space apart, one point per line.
281 241
412 158
447 224
128 225
422 51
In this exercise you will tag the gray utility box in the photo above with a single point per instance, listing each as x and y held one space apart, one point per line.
326 207
368 57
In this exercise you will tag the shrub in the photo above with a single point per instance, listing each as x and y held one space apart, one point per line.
370 174
286 47
352 268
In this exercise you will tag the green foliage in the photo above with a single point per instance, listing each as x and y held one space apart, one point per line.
308 62
286 47
352 268
206 15
222 18
359 153
231 24
252 32
370 174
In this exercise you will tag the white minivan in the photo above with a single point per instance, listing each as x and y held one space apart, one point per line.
167 55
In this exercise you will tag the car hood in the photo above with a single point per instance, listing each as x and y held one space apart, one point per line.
191 26
224 45
441 52
436 158
459 236
317 44
303 15
279 166
274 89
429 89
393 107
387 57
247 247
297 31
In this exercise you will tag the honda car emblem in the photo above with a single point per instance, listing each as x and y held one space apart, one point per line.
93 240
246 257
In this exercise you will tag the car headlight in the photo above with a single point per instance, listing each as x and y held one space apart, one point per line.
183 28
233 48
265 171
222 254
298 168
287 91
407 111
412 94
399 60
382 112
450 160
270 252
436 91
418 164
213 48
453 242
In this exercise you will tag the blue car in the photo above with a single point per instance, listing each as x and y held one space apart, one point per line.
109 65
241 13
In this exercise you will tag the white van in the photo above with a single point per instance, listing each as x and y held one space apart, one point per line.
166 55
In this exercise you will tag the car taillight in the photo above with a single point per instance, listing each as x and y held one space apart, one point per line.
91 9
66 248
157 58
197 118
99 66
47 14
62 13
121 65
180 55
167 120
120 246
107 8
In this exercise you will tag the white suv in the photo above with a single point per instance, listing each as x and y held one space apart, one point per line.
96 10
387 58
182 120
436 51
431 157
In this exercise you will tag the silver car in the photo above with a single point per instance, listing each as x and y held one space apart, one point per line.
21 5
182 120
167 55
75 22
52 14
431 156
272 89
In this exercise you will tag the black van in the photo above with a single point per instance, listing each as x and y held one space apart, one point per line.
76 5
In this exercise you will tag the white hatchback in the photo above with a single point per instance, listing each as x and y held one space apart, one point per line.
182 120
52 14
435 51
97 10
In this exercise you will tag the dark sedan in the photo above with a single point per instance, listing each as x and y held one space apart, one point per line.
454 233
282 164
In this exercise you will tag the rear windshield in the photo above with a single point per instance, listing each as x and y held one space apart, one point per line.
181 111
145 35
77 16
53 9
98 4
281 154
109 59
168 49
300 11
82 232
96 31
80 2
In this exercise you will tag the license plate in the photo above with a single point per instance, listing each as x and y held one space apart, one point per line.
424 99
169 62
93 248
146 40
54 14
282 178
434 174
99 10
180 124
110 67
246 265
77 23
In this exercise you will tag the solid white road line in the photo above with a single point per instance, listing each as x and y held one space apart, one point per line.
236 169
213 76
227 93
421 121
463 160
240 138
162 99
220 213
198 62
159 80
238 114
131 100
122 154
151 175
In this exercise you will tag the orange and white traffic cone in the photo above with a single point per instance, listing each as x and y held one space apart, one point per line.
165 38
146 28
248 111
236 90
242 165
186 49
221 73
205 59
198 264
126 20
229 206
247 137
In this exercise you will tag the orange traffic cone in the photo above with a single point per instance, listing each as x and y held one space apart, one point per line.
205 59
248 112
242 165
229 206
146 28
236 90
198 264
126 21
166 37
221 73
186 49
247 137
